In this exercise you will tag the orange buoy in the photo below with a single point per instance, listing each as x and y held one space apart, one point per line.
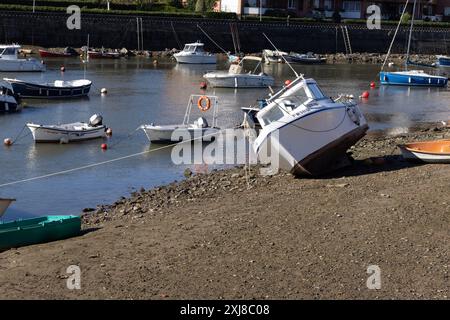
287 83
365 95
7 142
204 107
63 68
372 84
104 146
203 85
109 132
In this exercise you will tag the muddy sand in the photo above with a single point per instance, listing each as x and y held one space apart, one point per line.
232 235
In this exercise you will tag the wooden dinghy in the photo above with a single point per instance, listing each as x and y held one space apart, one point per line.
436 151
38 230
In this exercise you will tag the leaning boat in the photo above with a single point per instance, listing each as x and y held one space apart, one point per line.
307 132
65 133
197 130
10 61
194 53
238 77
436 151
8 102
4 204
58 89
26 232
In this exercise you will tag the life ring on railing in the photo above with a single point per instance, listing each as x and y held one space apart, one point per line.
204 107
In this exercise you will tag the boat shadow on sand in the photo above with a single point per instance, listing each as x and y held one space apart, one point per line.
372 165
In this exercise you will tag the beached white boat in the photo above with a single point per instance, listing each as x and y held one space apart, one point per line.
199 129
238 77
194 53
436 151
308 132
65 133
4 204
10 61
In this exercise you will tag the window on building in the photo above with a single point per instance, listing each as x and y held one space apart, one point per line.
351 6
292 4
328 5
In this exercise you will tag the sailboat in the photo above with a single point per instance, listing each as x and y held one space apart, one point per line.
409 77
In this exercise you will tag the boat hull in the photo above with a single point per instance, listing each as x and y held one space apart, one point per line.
196 59
314 144
443 61
38 91
157 134
393 78
239 81
38 230
50 54
104 55
21 65
48 134
9 104
427 151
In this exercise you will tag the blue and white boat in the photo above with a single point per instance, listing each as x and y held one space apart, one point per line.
409 77
443 61
412 78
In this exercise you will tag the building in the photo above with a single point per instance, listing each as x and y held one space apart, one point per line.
348 9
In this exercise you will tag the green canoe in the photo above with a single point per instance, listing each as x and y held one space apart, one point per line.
38 230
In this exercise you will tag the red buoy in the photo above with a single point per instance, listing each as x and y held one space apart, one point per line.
372 84
104 146
63 68
203 85
287 83
365 95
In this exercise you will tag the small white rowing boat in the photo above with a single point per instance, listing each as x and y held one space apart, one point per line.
4 204
65 133
436 151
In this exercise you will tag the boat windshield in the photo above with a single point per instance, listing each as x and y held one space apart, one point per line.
315 91
192 48
8 52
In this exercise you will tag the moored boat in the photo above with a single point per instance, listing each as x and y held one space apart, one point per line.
10 61
38 230
197 130
443 61
8 102
412 78
273 56
65 133
308 58
306 132
103 55
4 204
436 151
58 89
67 53
194 53
238 77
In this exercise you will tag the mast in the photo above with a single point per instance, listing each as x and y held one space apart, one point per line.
410 34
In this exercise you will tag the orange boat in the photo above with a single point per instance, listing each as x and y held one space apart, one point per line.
436 151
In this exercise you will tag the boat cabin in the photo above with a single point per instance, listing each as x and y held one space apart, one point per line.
196 47
294 99
10 52
238 68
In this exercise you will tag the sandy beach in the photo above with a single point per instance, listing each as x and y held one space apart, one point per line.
235 234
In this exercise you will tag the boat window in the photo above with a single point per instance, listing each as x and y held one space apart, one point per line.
298 98
9 52
315 90
272 115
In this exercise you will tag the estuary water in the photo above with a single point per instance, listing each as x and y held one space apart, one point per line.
139 93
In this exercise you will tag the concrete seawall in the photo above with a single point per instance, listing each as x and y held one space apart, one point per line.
114 31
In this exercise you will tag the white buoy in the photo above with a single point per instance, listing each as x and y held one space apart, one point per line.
104 91
7 142
390 64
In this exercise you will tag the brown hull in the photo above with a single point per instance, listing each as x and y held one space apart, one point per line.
329 157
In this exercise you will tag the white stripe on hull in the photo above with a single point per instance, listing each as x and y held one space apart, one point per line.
426 157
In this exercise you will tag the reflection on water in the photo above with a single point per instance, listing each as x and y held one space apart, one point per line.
140 92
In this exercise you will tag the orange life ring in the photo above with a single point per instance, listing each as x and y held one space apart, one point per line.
204 107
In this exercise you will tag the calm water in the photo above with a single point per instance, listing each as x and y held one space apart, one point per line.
138 93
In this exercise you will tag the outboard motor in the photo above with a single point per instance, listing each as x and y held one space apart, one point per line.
95 120
201 122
